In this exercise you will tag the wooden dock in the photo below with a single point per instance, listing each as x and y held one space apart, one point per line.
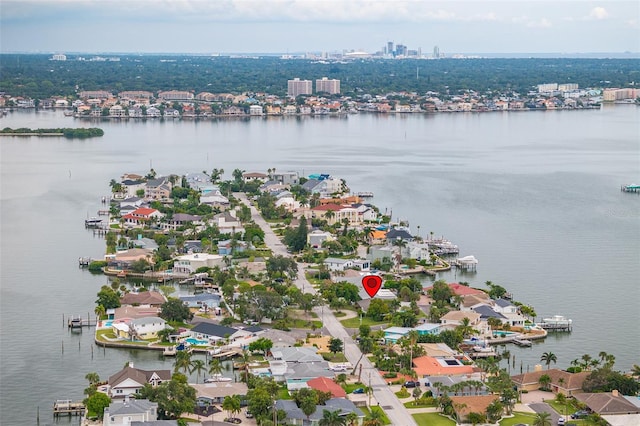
68 407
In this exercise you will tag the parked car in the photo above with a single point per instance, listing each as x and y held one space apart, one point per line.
561 421
358 390
248 414
580 414
411 384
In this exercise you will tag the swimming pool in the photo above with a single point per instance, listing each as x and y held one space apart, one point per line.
197 342
501 334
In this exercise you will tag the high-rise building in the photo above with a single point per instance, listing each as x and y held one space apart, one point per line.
329 86
390 48
436 52
401 50
298 87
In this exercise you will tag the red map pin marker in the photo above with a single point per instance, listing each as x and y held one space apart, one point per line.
371 284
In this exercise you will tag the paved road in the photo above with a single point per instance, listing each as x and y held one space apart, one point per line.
541 407
397 413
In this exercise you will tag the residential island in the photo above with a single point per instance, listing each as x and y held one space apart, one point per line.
269 269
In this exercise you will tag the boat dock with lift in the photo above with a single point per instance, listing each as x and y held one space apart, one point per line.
556 323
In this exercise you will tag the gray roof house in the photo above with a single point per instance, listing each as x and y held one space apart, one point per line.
128 410
486 312
295 416
297 354
130 380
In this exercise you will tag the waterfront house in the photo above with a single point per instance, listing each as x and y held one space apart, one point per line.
562 381
123 259
127 313
189 263
208 300
146 328
124 413
393 334
130 380
130 188
158 189
214 333
396 234
248 177
142 216
142 299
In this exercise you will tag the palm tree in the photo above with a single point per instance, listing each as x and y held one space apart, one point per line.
197 366
100 311
332 418
635 371
231 404
182 362
544 381
215 367
352 418
548 358
374 418
542 419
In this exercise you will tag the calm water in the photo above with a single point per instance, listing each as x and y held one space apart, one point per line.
534 196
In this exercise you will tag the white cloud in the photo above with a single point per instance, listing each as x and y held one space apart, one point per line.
598 13
542 23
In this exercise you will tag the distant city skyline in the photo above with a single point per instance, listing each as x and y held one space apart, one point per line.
298 26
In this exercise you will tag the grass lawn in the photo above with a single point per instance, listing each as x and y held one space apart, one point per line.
563 409
385 419
525 418
300 323
355 322
411 404
283 393
432 419
331 357
349 387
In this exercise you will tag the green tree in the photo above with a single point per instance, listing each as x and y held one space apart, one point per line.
108 298
262 344
96 404
308 405
548 358
260 401
173 397
197 366
378 309
215 367
175 310
417 392
231 404
475 418
332 418
182 362
542 419
335 345
494 411
544 381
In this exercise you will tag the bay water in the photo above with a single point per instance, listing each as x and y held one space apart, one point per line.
535 196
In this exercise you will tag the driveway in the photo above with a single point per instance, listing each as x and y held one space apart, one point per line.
542 407
397 413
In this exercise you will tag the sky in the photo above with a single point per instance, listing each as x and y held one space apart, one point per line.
298 26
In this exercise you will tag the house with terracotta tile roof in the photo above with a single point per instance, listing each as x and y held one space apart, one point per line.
461 290
561 381
431 366
324 384
142 216
463 405
144 298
